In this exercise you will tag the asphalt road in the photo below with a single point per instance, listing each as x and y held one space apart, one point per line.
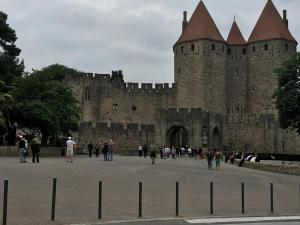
30 187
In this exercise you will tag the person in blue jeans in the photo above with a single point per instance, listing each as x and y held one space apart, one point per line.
210 158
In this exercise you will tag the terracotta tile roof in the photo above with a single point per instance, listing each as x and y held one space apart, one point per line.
235 36
270 25
200 26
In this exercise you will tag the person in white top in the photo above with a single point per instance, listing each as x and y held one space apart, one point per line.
70 147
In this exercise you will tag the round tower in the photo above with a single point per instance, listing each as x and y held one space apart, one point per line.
236 73
200 63
269 46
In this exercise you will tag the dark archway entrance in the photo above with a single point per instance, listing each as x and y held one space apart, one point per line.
216 138
177 137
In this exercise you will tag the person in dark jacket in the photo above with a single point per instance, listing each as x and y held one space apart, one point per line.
35 151
153 155
90 148
145 150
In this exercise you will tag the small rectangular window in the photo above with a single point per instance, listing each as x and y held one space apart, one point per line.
286 47
244 51
192 47
181 49
229 51
213 47
254 49
134 108
266 47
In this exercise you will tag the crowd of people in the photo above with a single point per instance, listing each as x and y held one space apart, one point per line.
107 149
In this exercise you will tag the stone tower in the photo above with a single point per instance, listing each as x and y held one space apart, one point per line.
269 45
200 62
236 72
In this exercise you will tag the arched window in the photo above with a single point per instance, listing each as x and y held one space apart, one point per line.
87 93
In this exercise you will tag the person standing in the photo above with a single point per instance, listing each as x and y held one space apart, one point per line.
105 150
70 149
90 149
22 150
35 151
145 150
97 149
218 158
140 151
210 158
173 152
110 150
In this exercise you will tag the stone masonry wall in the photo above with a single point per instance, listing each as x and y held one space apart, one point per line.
263 59
200 75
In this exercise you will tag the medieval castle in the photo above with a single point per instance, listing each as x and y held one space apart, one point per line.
221 98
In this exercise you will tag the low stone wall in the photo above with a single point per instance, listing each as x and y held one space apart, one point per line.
12 151
284 169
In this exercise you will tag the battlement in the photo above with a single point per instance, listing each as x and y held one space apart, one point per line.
150 87
121 128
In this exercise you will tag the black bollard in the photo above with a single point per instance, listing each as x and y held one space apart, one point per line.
140 198
272 197
243 198
100 201
211 198
53 199
177 198
4 218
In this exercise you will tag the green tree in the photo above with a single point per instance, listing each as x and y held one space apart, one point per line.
46 104
288 93
10 68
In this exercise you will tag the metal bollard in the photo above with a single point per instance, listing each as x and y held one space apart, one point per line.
243 198
4 218
100 201
177 198
211 198
53 199
140 198
272 197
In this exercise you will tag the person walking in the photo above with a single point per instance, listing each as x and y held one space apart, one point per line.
70 149
153 155
22 150
35 151
145 150
90 149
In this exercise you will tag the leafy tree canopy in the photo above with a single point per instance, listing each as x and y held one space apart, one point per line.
10 69
45 103
288 93
10 65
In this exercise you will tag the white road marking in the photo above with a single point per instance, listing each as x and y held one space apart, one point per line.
243 219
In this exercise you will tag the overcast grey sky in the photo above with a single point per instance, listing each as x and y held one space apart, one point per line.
133 35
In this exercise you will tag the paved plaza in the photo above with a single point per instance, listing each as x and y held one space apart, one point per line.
30 187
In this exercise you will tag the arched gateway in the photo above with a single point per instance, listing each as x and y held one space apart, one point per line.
177 136
216 138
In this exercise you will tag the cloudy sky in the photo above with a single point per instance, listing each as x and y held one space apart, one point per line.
133 35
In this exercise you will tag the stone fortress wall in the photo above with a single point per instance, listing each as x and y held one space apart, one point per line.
222 97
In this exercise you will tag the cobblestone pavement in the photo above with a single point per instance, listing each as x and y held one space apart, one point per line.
30 187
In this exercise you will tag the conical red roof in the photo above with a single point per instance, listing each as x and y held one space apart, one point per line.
235 36
270 25
200 26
